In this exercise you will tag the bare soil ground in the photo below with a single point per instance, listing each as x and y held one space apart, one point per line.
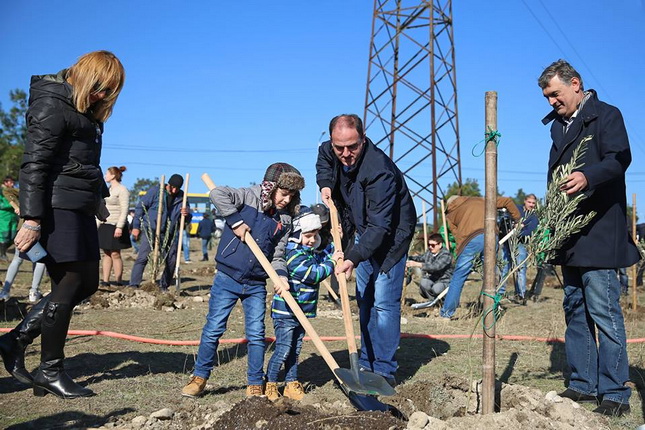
138 385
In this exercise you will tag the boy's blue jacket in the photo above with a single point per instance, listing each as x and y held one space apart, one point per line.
269 229
306 269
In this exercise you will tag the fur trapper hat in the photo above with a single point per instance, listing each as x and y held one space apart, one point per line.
285 176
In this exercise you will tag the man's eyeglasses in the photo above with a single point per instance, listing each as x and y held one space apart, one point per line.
351 148
432 245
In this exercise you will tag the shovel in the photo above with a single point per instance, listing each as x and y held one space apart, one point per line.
359 396
182 222
372 382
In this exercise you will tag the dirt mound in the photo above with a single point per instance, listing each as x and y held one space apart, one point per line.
448 404
260 413
441 404
138 298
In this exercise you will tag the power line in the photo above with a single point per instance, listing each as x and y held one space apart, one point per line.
220 151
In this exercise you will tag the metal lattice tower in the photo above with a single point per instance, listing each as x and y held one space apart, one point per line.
411 97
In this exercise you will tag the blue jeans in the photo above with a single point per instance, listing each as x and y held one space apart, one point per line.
185 244
225 293
520 274
205 246
142 260
463 266
591 305
379 304
288 342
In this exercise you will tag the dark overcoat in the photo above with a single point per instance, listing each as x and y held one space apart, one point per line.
605 242
380 209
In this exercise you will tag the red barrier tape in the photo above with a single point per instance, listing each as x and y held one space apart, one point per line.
324 338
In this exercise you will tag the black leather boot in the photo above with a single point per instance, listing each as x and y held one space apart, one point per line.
51 376
205 257
14 343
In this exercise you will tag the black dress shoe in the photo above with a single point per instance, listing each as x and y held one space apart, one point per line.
612 409
579 397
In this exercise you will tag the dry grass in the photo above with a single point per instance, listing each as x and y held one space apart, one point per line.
136 379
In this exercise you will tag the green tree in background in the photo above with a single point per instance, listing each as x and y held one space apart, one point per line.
141 184
519 197
13 134
468 188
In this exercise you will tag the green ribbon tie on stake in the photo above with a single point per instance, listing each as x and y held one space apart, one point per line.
490 136
494 308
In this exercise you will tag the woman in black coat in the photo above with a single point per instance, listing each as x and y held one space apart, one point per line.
62 190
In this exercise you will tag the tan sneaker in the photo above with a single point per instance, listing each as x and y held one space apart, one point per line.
195 387
294 390
271 391
254 390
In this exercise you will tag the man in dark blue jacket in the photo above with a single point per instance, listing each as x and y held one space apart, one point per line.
599 370
145 218
376 210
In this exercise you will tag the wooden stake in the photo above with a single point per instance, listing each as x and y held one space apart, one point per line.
157 244
425 226
490 258
634 298
445 229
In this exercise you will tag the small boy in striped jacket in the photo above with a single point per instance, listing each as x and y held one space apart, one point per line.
306 268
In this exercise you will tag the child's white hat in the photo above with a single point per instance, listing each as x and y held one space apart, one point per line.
305 223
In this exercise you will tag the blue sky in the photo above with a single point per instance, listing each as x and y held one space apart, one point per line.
230 87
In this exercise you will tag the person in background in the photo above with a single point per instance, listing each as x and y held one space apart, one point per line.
185 242
133 241
61 192
465 218
114 233
145 219
599 368
435 266
12 271
530 223
205 230
8 217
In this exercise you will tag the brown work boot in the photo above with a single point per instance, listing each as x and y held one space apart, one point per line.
271 391
294 390
195 387
254 390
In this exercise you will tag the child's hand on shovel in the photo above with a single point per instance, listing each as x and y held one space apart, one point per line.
241 230
282 287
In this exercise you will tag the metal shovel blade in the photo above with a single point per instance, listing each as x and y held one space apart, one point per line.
364 382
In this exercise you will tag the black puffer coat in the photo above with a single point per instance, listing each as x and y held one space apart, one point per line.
60 166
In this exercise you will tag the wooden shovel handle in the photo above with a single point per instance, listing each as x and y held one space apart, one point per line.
304 321
288 298
342 280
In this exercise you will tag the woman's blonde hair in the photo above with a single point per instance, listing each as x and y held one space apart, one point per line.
95 72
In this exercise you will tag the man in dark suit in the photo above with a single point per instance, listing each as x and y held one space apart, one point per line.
599 370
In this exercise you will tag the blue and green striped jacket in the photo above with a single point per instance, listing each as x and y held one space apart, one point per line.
306 269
